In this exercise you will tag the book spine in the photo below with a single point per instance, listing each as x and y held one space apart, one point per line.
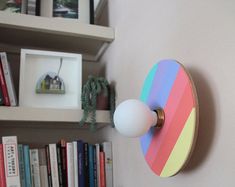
2 170
21 165
75 159
34 166
43 176
43 167
1 97
62 144
27 166
70 164
54 165
95 166
48 166
4 87
59 165
91 165
98 163
81 177
102 170
107 148
86 164
8 79
11 162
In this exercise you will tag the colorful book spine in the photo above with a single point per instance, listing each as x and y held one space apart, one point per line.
81 176
54 165
4 87
11 162
8 78
34 167
27 166
43 167
91 165
70 164
62 145
86 164
102 170
2 170
21 165
95 166
107 148
98 163
75 161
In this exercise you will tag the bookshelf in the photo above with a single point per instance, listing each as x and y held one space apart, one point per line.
68 35
38 127
58 34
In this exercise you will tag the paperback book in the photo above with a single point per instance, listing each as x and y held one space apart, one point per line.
8 79
2 170
11 162
107 148
34 166
43 167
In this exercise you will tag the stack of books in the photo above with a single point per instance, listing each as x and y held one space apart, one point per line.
62 164
7 89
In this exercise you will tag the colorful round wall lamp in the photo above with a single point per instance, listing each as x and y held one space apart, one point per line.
165 118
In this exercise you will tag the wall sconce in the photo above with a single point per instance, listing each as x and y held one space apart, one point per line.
165 118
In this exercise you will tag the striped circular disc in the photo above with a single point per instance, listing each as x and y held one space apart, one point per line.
170 87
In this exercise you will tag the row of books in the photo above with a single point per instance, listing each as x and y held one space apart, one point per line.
7 89
83 10
63 164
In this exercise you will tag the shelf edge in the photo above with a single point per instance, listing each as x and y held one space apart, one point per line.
49 115
59 26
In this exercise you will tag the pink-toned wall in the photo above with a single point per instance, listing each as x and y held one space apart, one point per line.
201 35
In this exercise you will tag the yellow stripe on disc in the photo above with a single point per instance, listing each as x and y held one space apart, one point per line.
182 148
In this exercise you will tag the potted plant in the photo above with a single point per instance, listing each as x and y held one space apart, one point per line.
96 94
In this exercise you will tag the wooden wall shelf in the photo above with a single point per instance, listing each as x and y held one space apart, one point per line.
15 115
69 35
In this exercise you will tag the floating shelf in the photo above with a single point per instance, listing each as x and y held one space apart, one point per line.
24 115
61 34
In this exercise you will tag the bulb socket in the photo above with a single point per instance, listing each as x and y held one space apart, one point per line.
161 117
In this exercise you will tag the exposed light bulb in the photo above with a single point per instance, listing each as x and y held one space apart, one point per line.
134 118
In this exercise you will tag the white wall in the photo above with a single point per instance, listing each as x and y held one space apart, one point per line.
201 35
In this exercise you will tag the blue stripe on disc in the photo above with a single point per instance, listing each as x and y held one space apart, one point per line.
162 83
158 92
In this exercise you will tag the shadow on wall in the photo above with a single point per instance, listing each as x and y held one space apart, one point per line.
207 123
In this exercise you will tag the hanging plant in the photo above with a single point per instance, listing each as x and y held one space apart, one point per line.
91 91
